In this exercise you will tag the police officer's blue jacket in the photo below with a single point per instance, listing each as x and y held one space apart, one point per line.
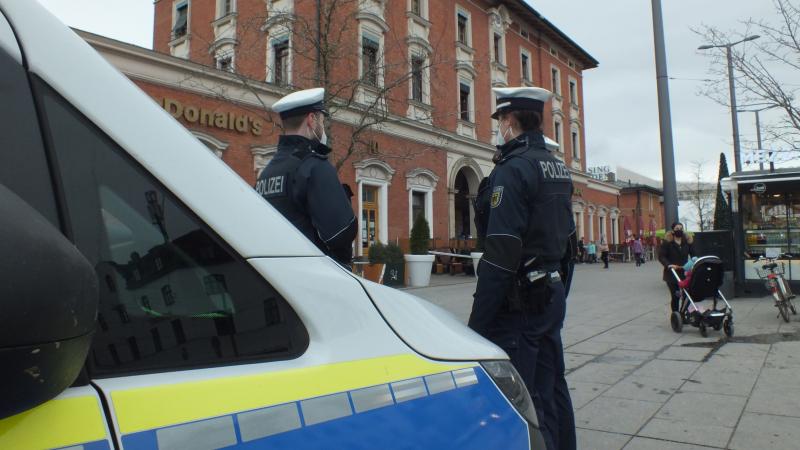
527 203
303 185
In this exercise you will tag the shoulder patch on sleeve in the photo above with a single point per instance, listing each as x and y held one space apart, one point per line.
497 196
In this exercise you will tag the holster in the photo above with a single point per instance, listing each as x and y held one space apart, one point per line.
529 296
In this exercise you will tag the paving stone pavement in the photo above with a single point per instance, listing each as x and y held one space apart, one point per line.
635 384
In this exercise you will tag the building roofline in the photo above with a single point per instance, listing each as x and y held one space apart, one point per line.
588 58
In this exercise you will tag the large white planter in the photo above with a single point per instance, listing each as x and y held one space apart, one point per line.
476 257
419 269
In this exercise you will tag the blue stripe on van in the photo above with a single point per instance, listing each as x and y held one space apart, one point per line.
476 416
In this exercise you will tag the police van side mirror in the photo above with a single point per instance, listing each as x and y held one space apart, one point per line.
48 306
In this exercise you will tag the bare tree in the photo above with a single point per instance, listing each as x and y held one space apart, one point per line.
766 70
367 96
701 195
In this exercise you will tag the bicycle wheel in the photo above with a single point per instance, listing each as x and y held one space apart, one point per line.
783 308
791 305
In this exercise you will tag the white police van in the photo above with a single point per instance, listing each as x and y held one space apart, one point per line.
149 298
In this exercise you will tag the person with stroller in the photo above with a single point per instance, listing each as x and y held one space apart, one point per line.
638 249
674 252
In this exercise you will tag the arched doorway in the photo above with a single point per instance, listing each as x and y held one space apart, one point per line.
464 180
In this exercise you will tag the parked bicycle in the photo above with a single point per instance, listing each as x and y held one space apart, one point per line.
776 284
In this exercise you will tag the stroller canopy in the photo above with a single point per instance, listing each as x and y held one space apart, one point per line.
707 276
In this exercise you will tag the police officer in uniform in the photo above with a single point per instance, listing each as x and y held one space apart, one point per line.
302 184
524 213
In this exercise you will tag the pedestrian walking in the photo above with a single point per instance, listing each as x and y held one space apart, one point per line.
592 250
302 184
638 249
581 251
519 301
604 253
674 252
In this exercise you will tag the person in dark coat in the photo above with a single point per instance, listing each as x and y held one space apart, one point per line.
674 252
302 184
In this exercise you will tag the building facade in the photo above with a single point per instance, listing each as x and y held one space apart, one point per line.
410 84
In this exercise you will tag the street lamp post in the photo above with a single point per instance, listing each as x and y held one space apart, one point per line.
734 119
665 118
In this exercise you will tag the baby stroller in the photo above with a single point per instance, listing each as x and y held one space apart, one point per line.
704 283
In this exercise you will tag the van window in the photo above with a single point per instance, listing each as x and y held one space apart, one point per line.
172 294
23 163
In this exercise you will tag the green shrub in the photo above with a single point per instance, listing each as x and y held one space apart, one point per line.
377 253
393 254
420 236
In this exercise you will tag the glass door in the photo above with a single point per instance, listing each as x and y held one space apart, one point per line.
370 220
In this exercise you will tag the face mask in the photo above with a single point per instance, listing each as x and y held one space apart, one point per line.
678 233
501 137
321 139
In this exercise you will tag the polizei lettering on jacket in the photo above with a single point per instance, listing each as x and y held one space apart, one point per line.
272 186
554 170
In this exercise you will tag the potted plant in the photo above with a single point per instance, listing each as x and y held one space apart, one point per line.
374 271
419 261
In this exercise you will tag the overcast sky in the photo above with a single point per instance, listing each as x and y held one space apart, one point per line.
620 95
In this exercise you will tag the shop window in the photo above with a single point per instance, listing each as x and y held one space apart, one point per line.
133 230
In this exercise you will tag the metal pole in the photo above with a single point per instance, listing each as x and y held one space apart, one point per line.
665 119
734 118
758 138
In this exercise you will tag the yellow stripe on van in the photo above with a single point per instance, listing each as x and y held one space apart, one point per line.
58 423
159 406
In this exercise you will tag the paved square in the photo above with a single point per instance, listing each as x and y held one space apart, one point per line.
635 384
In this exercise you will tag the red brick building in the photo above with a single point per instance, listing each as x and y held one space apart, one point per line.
411 130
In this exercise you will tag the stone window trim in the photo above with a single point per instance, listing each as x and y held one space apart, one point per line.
377 173
220 14
176 4
215 145
424 13
224 19
461 11
262 155
424 181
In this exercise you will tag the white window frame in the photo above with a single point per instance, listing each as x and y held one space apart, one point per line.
575 143
371 34
175 5
471 112
573 99
556 87
220 14
527 53
413 187
383 198
464 12
558 131
272 60
499 59
426 79
423 8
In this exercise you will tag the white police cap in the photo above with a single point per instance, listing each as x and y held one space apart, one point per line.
301 102
520 98
551 145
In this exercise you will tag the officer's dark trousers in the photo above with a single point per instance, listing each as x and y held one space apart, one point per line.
533 342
